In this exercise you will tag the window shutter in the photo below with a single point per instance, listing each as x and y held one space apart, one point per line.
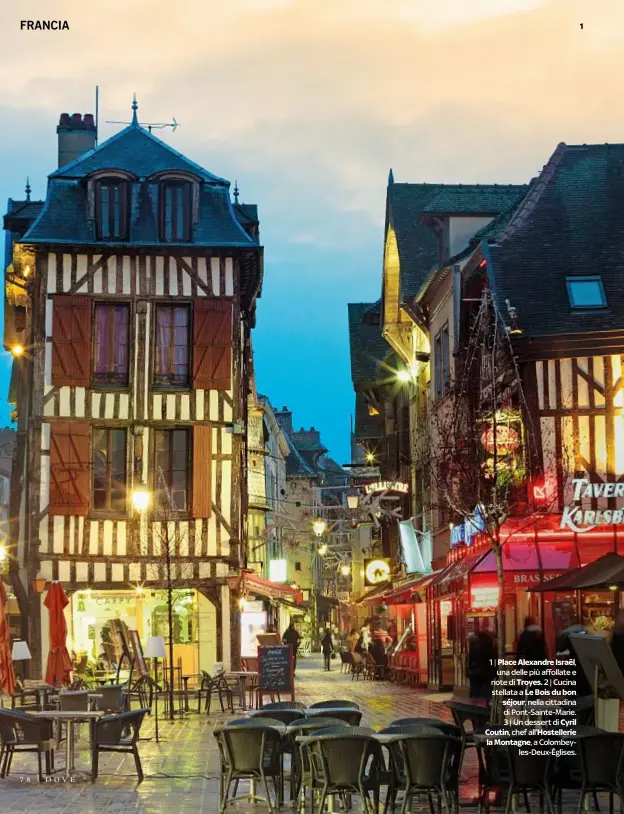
212 352
202 470
71 341
69 468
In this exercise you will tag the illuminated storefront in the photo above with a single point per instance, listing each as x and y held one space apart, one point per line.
94 614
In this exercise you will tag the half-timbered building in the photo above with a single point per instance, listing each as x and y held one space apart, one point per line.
552 281
134 295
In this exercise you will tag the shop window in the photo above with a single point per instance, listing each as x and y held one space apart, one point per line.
109 470
172 470
172 345
110 357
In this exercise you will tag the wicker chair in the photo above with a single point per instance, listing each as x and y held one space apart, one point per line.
286 716
343 763
20 732
299 763
426 762
285 705
249 753
350 716
335 704
430 723
113 699
345 661
602 766
117 733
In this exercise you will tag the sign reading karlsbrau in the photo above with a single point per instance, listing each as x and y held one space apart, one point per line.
581 520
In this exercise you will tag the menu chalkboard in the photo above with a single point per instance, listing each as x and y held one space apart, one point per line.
275 669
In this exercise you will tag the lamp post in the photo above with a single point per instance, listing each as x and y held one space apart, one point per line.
155 649
20 652
141 499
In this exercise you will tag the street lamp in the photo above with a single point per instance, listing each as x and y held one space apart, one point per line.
322 550
17 350
403 375
353 500
370 457
3 554
141 499
345 570
319 527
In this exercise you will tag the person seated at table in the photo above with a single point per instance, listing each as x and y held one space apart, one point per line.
378 652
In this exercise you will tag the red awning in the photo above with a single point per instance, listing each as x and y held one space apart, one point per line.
271 590
373 593
456 570
409 592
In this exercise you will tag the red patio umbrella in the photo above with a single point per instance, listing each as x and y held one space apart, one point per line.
7 676
59 664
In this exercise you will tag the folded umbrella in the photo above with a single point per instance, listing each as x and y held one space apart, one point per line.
59 664
7 676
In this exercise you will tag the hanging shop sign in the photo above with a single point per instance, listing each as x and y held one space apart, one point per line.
387 486
376 571
581 520
505 440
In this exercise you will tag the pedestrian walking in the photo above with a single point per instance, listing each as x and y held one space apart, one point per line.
327 646
291 636
531 642
481 665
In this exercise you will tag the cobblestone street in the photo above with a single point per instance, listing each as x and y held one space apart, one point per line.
181 773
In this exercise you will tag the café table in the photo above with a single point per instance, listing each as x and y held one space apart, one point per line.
241 677
72 717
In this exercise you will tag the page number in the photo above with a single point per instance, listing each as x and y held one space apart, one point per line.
581 25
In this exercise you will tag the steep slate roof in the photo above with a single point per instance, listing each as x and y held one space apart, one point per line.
475 199
136 151
26 210
296 466
368 347
417 243
569 224
64 218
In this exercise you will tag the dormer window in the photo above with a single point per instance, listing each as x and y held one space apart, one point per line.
586 292
175 211
111 209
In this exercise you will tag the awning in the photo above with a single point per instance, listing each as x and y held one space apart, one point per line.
603 572
456 570
409 592
271 590
373 593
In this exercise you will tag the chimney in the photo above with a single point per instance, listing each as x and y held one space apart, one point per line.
284 419
76 136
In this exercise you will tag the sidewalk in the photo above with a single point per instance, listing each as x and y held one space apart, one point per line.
182 772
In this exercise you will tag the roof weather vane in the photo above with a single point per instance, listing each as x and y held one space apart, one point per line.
28 190
235 192
149 125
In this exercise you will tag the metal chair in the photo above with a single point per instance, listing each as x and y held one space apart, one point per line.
306 726
214 686
357 666
20 732
113 699
430 723
249 753
117 733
